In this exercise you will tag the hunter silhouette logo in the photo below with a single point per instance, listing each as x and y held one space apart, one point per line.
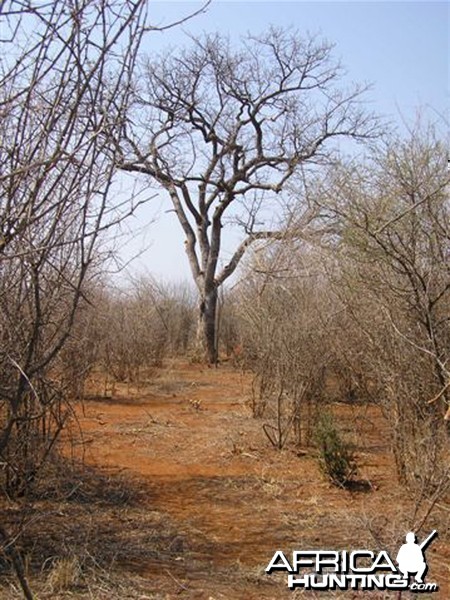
410 557
358 569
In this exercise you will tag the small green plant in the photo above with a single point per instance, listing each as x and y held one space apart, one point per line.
336 456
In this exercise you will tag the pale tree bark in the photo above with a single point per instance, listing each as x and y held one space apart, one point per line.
222 131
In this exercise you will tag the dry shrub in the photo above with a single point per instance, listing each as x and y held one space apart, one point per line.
64 574
287 347
141 325
362 311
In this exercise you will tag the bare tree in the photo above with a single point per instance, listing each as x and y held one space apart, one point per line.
222 130
65 73
396 209
390 269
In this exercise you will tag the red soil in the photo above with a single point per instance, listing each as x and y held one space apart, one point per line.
208 469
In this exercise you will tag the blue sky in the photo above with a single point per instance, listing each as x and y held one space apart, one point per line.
401 48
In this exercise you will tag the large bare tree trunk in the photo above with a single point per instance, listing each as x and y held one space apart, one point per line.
206 331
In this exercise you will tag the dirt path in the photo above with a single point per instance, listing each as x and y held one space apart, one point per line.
230 499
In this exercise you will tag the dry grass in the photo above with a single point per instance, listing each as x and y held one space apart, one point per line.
65 574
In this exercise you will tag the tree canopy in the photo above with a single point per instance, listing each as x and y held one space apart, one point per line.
222 128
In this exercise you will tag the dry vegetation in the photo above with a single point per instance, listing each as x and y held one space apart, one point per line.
128 467
180 494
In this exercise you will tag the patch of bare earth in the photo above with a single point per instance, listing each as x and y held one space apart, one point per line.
185 498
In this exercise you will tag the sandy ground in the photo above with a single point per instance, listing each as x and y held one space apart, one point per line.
212 499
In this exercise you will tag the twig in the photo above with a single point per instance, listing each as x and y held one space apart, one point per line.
444 389
183 587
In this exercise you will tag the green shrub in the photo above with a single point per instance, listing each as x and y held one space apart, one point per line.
336 456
